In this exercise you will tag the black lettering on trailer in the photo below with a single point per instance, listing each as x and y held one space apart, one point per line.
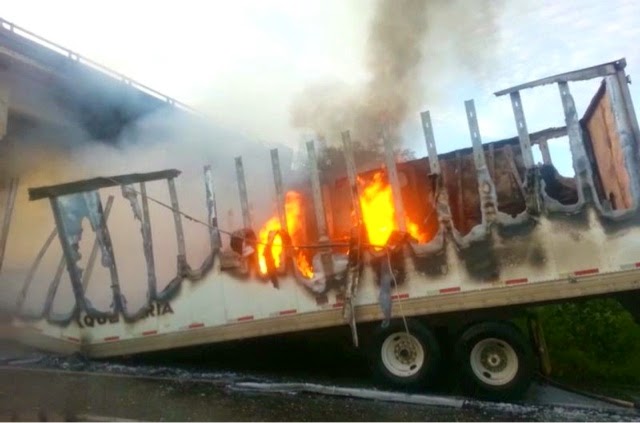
166 308
151 311
89 321
156 309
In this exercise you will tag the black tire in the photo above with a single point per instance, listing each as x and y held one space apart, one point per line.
495 341
423 377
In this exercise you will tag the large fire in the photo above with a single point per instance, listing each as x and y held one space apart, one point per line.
378 211
293 211
378 214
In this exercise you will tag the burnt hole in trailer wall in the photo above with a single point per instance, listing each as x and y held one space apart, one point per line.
375 193
559 187
506 167
507 170
418 197
461 183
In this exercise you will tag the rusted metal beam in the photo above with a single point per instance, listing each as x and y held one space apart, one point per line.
69 253
242 191
544 150
523 132
577 75
98 183
578 152
508 152
492 160
486 188
547 134
427 128
277 180
6 220
352 174
460 193
624 82
392 174
86 275
354 249
316 190
175 206
535 137
318 206
474 131
212 211
147 240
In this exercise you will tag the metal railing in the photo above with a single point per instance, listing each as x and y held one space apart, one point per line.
71 55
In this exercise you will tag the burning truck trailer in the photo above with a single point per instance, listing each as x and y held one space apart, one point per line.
416 260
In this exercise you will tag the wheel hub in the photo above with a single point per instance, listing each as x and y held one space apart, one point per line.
494 361
405 352
402 354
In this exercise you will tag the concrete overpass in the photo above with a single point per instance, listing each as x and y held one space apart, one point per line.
47 84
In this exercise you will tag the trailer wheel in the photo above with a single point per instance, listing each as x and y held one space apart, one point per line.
405 360
496 361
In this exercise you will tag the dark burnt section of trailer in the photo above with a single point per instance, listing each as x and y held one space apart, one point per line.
604 152
506 167
603 143
75 201
470 195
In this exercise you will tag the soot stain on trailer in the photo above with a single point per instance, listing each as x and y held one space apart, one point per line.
481 261
433 265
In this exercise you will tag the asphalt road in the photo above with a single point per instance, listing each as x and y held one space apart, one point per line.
36 394
34 386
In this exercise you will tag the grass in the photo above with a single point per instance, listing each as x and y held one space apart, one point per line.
595 343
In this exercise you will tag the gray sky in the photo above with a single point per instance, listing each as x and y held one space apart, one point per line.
243 61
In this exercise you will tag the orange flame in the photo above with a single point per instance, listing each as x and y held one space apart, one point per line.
293 210
416 232
272 224
378 214
378 211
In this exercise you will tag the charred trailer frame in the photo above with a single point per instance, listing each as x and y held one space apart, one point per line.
504 234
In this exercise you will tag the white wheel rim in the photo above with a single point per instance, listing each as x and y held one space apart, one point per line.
402 354
494 361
